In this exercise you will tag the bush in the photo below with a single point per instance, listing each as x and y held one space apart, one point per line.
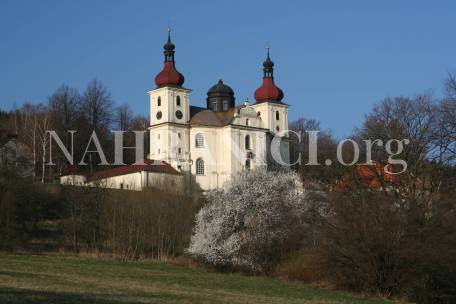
252 224
392 243
435 287
306 266
145 224
123 224
23 204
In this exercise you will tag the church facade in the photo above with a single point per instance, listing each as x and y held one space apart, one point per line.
214 143
206 146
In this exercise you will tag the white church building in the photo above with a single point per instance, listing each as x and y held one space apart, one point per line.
204 147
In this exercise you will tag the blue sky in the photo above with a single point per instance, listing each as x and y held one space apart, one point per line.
334 59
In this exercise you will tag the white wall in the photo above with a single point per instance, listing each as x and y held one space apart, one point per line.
134 181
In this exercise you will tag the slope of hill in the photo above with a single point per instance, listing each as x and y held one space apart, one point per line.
69 280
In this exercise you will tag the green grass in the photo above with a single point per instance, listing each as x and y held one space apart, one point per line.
64 279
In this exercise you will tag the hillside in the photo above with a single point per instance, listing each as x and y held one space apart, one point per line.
62 279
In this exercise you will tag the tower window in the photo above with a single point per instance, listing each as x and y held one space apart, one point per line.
277 115
247 142
178 100
179 150
158 136
199 140
247 122
159 101
225 105
178 135
159 151
199 166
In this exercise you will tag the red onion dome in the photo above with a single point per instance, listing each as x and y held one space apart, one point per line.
169 76
268 90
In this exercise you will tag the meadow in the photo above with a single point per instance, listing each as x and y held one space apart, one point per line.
64 279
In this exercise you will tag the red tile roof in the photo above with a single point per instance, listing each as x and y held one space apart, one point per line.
156 166
373 176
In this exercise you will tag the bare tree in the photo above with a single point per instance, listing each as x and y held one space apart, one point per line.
97 106
450 86
140 123
124 117
327 147
63 104
26 119
97 110
404 118
44 124
446 125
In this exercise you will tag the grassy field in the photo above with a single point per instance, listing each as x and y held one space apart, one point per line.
63 279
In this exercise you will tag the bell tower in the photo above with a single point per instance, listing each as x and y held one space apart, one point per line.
169 111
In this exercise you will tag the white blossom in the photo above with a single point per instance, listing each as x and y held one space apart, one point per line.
252 223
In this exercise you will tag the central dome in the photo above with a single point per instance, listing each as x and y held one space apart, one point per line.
220 97
220 89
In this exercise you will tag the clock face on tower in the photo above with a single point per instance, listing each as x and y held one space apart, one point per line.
178 114
159 115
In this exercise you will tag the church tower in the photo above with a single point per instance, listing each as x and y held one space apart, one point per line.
274 115
269 106
169 112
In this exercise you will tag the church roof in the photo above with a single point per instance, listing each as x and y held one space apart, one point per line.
169 76
220 88
269 91
156 166
206 117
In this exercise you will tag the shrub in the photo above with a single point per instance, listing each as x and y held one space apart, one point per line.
307 266
252 224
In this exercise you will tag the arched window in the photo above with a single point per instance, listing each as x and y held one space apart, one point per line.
277 115
247 122
199 166
159 101
247 164
199 140
247 142
178 100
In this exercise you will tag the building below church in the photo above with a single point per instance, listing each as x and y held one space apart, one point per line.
205 147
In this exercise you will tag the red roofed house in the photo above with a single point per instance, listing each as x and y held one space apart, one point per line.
157 174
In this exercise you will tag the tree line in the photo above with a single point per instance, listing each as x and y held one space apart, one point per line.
68 109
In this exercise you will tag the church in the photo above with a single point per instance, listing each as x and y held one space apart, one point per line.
204 146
